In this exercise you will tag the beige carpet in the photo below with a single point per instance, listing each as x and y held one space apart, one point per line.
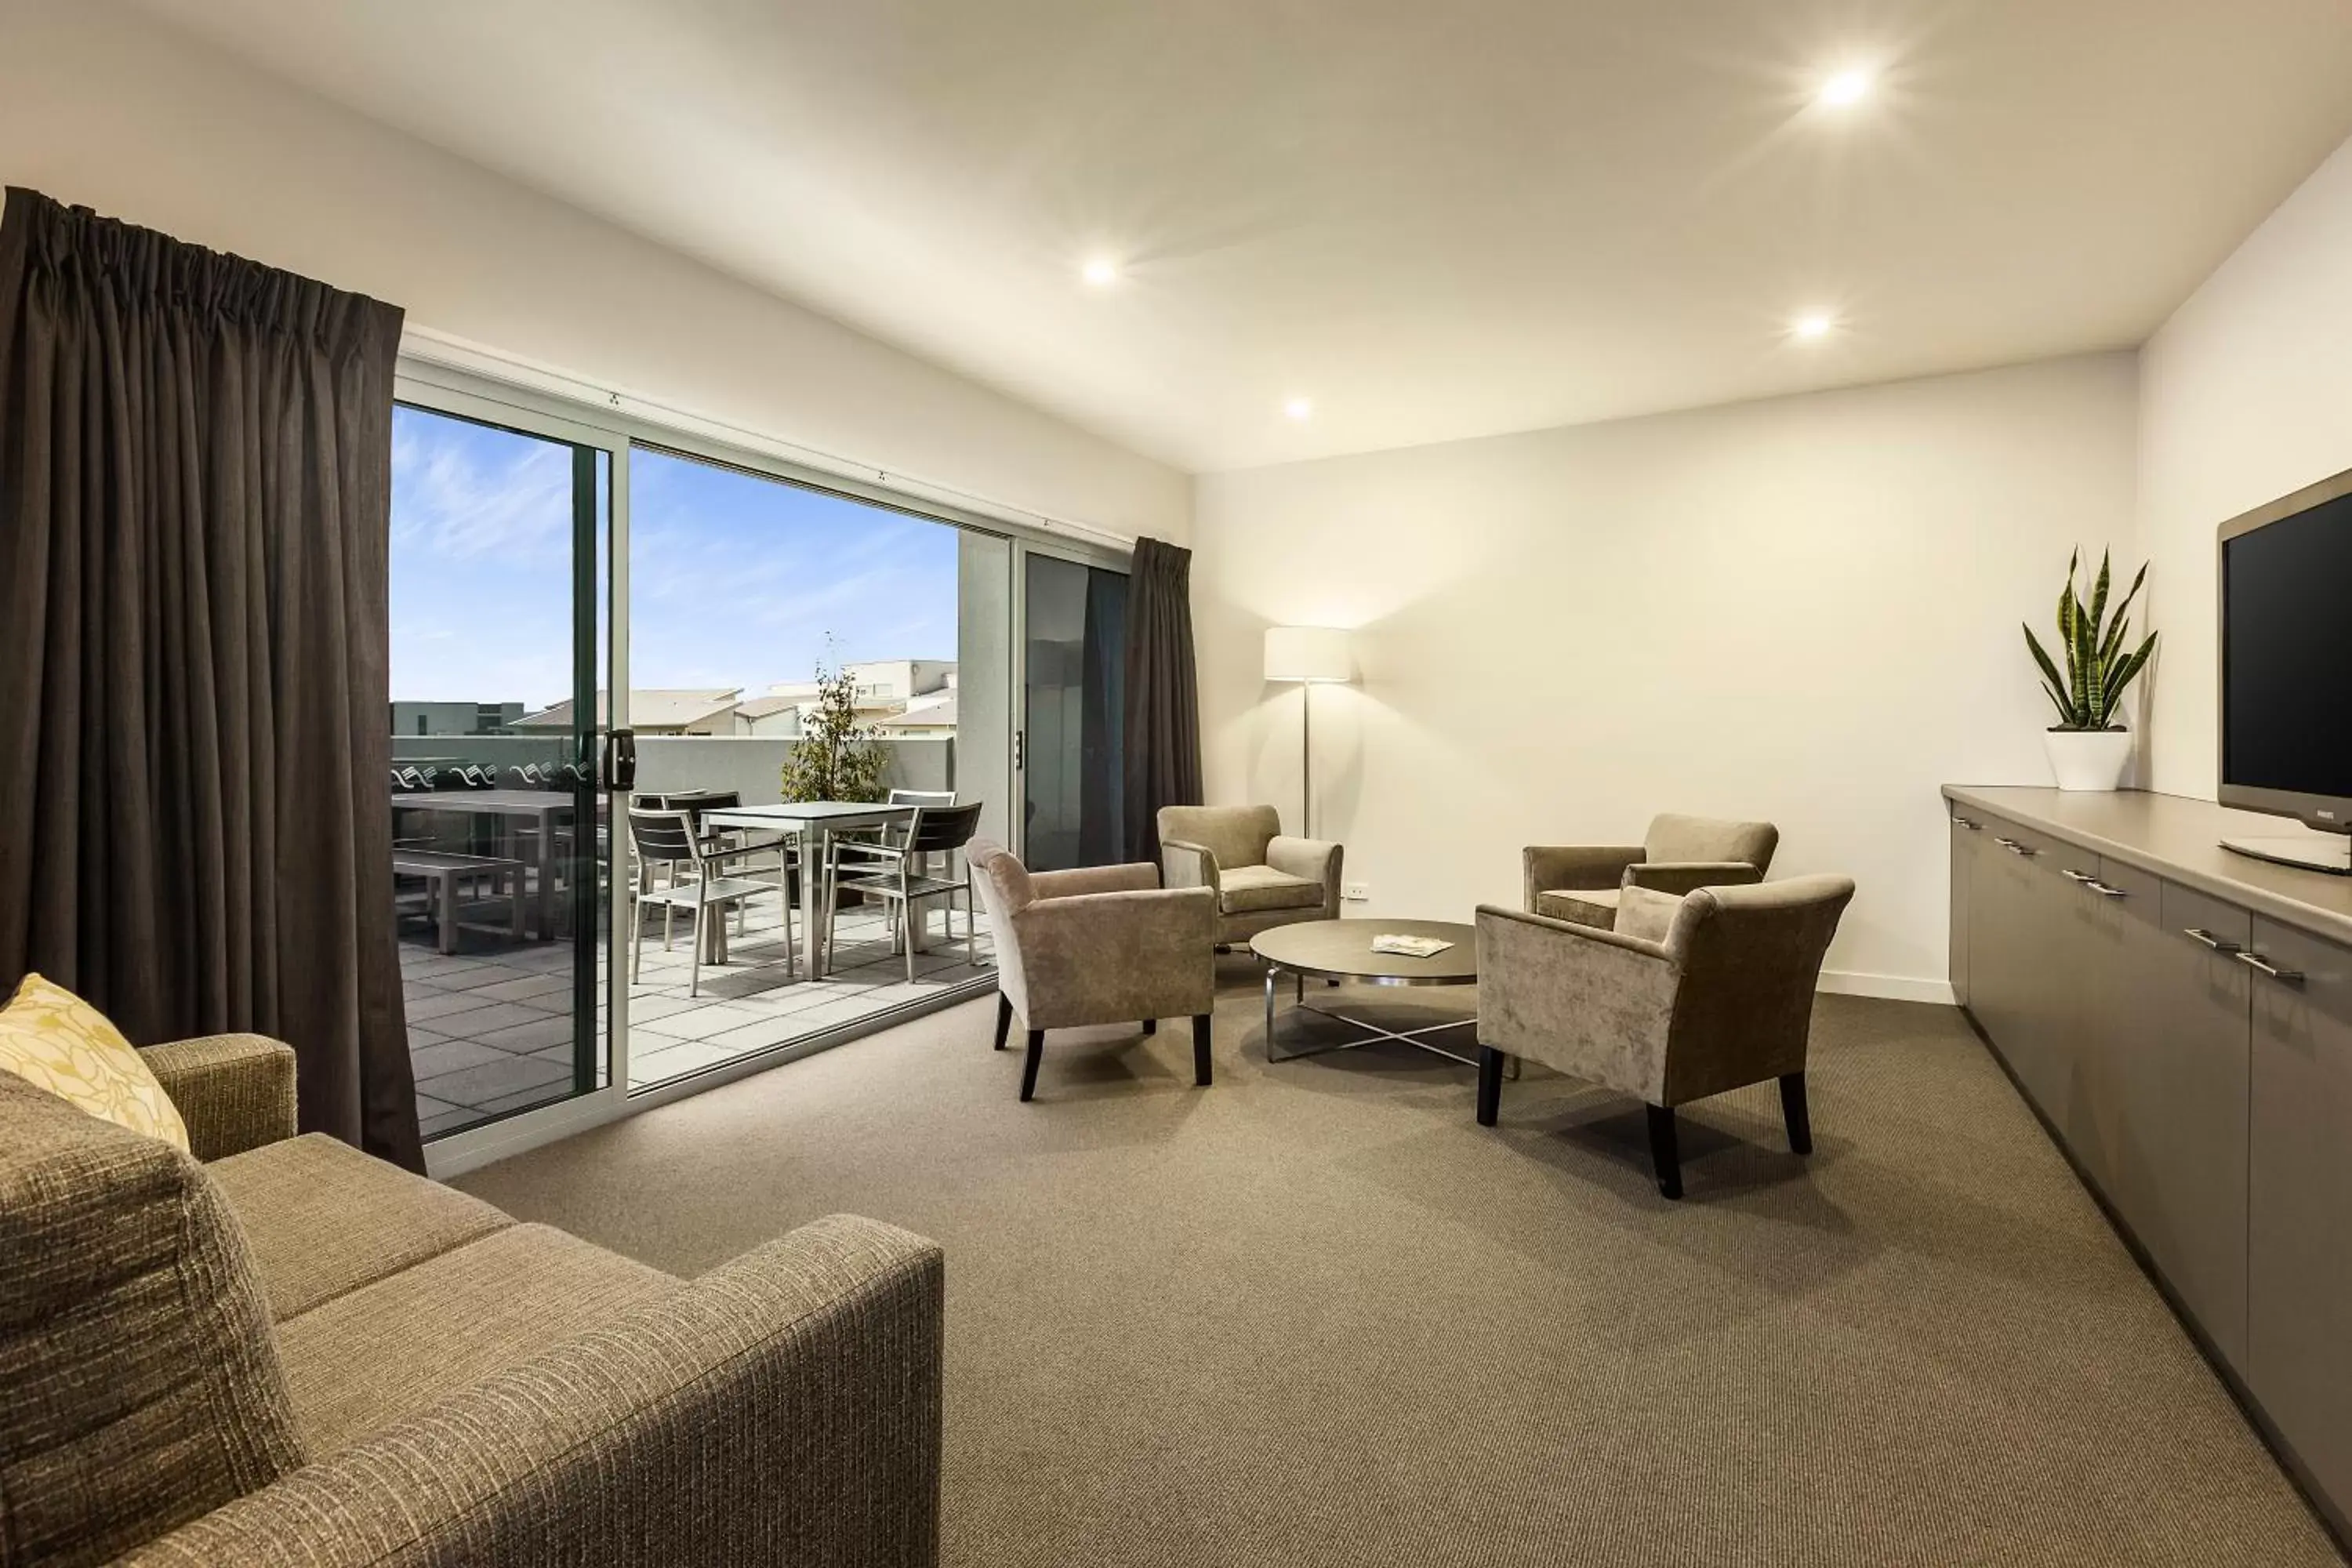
1314 1314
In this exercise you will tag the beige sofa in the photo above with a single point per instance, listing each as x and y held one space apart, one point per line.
1262 876
293 1353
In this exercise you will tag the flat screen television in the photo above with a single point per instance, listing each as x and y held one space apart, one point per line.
2286 670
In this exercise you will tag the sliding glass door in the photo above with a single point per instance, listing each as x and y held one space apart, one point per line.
1073 663
665 711
502 530
794 649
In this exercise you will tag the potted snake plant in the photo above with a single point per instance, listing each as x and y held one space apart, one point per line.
2088 749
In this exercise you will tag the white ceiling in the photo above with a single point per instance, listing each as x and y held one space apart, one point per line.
1436 218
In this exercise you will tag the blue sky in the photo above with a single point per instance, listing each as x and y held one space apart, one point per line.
735 581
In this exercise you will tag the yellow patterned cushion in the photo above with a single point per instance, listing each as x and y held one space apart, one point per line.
55 1040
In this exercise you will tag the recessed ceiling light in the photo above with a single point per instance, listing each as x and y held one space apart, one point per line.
1844 90
1100 272
1812 324
1298 408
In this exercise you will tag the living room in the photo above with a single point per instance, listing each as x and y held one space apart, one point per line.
1561 481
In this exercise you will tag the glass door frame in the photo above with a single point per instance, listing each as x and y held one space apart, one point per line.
453 393
1057 548
594 417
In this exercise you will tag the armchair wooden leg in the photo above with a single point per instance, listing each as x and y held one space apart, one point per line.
1792 1110
1151 1025
1003 1018
1202 1070
1029 1066
1664 1155
1490 1085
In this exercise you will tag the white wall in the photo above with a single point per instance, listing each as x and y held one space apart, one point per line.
2246 395
1804 609
102 107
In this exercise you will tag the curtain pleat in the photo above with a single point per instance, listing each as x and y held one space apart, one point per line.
194 520
1162 750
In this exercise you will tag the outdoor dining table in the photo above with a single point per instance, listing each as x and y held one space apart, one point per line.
545 808
816 821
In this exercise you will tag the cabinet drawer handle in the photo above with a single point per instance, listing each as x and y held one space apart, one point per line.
2082 878
2219 944
2104 889
2014 847
1966 822
2256 960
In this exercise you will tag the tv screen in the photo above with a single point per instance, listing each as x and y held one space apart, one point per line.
2286 653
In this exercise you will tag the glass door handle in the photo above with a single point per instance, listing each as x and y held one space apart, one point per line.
621 760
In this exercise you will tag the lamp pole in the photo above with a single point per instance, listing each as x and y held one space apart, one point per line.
1307 759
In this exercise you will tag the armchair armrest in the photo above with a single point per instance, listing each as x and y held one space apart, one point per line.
1595 1004
1555 866
1686 876
877 848
1097 958
235 1092
1186 865
1315 859
1137 876
782 1407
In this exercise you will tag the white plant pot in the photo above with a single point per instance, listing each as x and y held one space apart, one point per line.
2088 759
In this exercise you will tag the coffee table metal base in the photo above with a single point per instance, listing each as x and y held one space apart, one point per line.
1373 1032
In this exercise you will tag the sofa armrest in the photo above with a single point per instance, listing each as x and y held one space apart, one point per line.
783 1407
1100 958
1315 859
1551 866
1680 877
1184 865
235 1092
1135 877
1595 1004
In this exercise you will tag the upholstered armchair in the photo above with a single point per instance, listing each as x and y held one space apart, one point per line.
1684 997
1581 882
1099 945
1261 878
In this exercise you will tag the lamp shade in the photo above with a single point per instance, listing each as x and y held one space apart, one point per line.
1308 652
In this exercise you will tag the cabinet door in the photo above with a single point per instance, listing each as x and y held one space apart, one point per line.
2045 940
2171 1094
2081 984
1968 841
2107 907
2299 1200
2000 885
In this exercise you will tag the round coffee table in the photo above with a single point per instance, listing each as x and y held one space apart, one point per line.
1342 950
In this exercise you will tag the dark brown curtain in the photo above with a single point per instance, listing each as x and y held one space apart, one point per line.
194 494
1162 743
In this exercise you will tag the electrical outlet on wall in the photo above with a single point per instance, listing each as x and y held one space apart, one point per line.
1356 892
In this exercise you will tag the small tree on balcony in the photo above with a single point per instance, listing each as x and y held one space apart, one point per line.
834 757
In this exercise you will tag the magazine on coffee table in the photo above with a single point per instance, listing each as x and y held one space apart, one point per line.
1410 946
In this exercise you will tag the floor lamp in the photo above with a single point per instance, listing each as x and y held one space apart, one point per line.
1307 655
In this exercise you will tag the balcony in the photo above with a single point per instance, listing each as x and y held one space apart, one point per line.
490 1024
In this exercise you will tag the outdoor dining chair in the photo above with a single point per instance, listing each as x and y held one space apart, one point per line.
897 872
668 838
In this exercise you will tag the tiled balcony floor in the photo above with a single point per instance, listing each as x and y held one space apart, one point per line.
489 1026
